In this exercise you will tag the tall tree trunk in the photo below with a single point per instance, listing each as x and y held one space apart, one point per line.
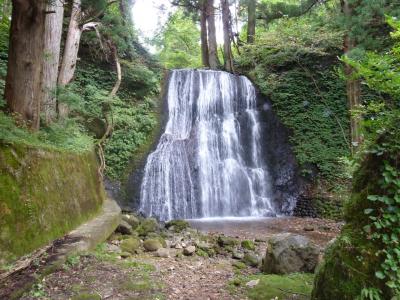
52 46
25 60
203 34
70 57
227 25
212 36
251 22
353 86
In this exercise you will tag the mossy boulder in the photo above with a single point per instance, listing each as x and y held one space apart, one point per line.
227 242
152 245
177 225
251 259
132 220
249 245
290 253
155 236
147 226
130 245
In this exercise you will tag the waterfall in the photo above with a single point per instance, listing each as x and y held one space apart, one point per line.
209 161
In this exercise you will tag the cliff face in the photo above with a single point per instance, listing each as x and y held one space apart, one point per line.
43 195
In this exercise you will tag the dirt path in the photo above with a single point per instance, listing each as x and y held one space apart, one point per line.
104 274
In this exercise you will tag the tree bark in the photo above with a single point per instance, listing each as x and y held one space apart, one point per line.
227 25
353 86
203 34
25 60
212 36
52 48
70 57
251 22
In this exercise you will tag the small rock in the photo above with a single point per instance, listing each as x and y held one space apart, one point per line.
253 283
131 220
260 240
224 241
130 245
124 228
308 228
237 255
251 260
125 254
152 245
163 252
177 225
113 248
190 250
147 226
239 265
203 246
177 246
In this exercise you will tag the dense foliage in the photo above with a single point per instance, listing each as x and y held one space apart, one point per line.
294 63
133 111
178 42
366 256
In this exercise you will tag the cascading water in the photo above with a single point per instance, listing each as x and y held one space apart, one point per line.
209 161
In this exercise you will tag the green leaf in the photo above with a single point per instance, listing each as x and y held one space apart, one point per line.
380 275
368 211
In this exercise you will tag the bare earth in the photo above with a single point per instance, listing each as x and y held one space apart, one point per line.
148 277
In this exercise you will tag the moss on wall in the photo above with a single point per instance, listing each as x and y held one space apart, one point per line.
43 195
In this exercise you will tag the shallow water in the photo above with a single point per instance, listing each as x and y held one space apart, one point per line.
262 228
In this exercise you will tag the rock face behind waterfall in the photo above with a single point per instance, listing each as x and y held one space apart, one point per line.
223 152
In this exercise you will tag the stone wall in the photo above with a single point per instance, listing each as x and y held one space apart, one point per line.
43 195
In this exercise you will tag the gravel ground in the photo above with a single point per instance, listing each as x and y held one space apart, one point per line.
108 276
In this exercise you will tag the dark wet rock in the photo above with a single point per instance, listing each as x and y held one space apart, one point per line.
163 252
124 228
309 228
290 253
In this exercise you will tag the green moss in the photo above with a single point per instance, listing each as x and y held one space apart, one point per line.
130 245
201 253
43 195
87 296
350 263
178 225
249 245
293 286
147 226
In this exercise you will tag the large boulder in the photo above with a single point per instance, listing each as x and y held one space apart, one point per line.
290 253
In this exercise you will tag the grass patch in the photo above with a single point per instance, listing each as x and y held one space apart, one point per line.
280 287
